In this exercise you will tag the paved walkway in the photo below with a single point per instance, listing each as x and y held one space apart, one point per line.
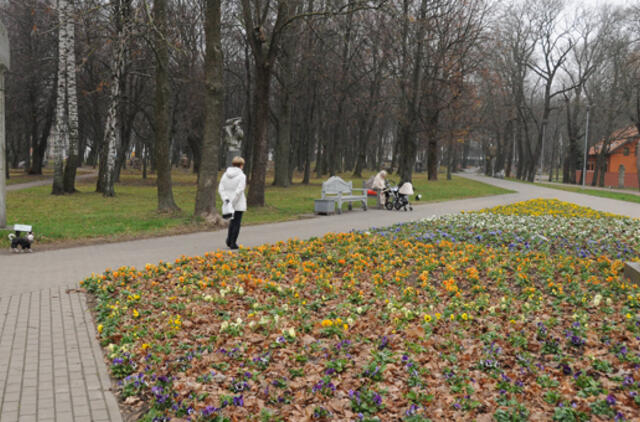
44 182
51 366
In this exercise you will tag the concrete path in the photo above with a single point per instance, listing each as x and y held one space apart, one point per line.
51 366
44 182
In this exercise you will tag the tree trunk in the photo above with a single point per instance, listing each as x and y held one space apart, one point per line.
309 134
62 127
366 124
39 142
126 117
466 149
450 157
102 153
284 163
247 145
260 147
361 159
432 157
335 140
161 110
195 144
408 149
321 154
111 133
553 159
72 109
411 91
144 162
283 155
214 114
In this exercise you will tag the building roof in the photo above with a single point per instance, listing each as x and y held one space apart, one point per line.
617 139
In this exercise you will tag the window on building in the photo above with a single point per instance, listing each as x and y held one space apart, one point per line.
626 151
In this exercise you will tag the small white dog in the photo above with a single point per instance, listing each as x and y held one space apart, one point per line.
23 242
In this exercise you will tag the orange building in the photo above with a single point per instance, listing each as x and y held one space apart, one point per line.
621 159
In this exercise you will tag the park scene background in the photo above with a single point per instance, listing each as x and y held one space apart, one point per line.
509 292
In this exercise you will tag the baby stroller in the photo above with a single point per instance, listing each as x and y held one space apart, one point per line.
398 197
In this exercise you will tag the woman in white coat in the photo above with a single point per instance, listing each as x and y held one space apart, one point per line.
379 183
231 190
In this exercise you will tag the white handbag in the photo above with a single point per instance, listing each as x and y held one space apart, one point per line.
227 209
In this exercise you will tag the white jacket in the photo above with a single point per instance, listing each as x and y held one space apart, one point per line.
379 181
232 186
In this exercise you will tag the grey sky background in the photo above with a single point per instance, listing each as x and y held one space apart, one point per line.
598 3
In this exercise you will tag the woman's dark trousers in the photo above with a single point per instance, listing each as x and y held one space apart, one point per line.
234 228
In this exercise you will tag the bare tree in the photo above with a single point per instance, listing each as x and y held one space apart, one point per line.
73 160
514 49
264 38
122 16
590 35
66 133
31 84
554 45
411 74
161 110
208 175
62 120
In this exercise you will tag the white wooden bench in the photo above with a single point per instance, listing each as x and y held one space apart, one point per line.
337 189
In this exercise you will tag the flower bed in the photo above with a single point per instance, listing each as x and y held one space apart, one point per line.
410 323
613 237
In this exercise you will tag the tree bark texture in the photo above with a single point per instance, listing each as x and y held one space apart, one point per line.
572 151
260 147
214 115
283 152
72 108
39 139
283 163
111 132
411 91
62 128
161 109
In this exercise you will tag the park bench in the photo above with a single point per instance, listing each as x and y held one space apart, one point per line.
18 228
22 228
336 189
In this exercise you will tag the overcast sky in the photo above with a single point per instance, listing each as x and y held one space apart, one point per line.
596 3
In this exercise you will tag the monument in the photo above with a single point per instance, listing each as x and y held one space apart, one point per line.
4 65
233 138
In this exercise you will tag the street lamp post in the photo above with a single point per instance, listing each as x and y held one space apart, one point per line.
586 138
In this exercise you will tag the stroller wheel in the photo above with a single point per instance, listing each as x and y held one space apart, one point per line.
410 208
388 205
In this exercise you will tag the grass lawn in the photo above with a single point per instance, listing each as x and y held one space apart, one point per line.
132 213
621 196
629 197
484 316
